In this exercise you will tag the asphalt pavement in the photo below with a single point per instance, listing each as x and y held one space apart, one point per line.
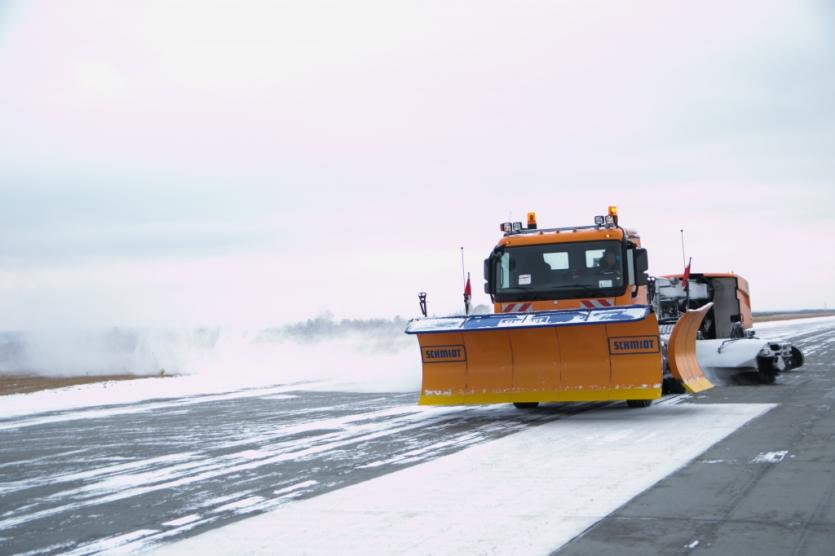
766 489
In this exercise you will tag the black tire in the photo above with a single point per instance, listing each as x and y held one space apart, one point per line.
525 405
768 373
639 403
797 358
672 386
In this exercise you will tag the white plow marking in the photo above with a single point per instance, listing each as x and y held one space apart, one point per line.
770 457
527 493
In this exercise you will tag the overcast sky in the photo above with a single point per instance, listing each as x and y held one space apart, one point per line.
254 163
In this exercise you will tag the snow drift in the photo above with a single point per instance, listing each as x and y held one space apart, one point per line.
363 355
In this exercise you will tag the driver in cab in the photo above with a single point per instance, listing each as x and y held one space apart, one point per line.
609 263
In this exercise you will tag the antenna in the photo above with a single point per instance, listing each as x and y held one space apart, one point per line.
463 274
683 258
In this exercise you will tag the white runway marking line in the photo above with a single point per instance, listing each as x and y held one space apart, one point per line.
527 493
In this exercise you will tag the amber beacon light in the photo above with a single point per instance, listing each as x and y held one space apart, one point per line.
531 220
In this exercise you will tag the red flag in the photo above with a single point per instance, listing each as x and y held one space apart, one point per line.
468 293
686 277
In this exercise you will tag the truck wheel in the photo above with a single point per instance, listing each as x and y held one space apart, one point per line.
525 405
797 358
768 373
639 403
671 386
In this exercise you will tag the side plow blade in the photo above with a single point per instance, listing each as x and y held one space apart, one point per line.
573 355
681 351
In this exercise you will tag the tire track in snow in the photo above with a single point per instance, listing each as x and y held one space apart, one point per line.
126 478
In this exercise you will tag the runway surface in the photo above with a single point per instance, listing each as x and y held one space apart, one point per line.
135 476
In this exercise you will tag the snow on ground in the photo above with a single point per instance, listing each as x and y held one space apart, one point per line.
235 458
770 457
81 403
115 393
811 336
481 500
782 328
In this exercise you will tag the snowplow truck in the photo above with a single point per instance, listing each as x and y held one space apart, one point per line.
726 341
571 322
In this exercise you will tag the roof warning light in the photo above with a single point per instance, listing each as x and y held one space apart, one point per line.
531 220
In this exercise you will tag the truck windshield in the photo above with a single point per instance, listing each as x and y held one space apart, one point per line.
559 270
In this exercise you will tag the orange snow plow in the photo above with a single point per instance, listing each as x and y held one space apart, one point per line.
571 322
681 351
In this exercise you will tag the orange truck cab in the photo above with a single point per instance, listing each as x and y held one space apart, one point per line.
582 267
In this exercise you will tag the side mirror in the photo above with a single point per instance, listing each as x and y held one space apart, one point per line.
488 283
641 261
641 267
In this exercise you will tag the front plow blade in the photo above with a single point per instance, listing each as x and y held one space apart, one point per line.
681 351
573 355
